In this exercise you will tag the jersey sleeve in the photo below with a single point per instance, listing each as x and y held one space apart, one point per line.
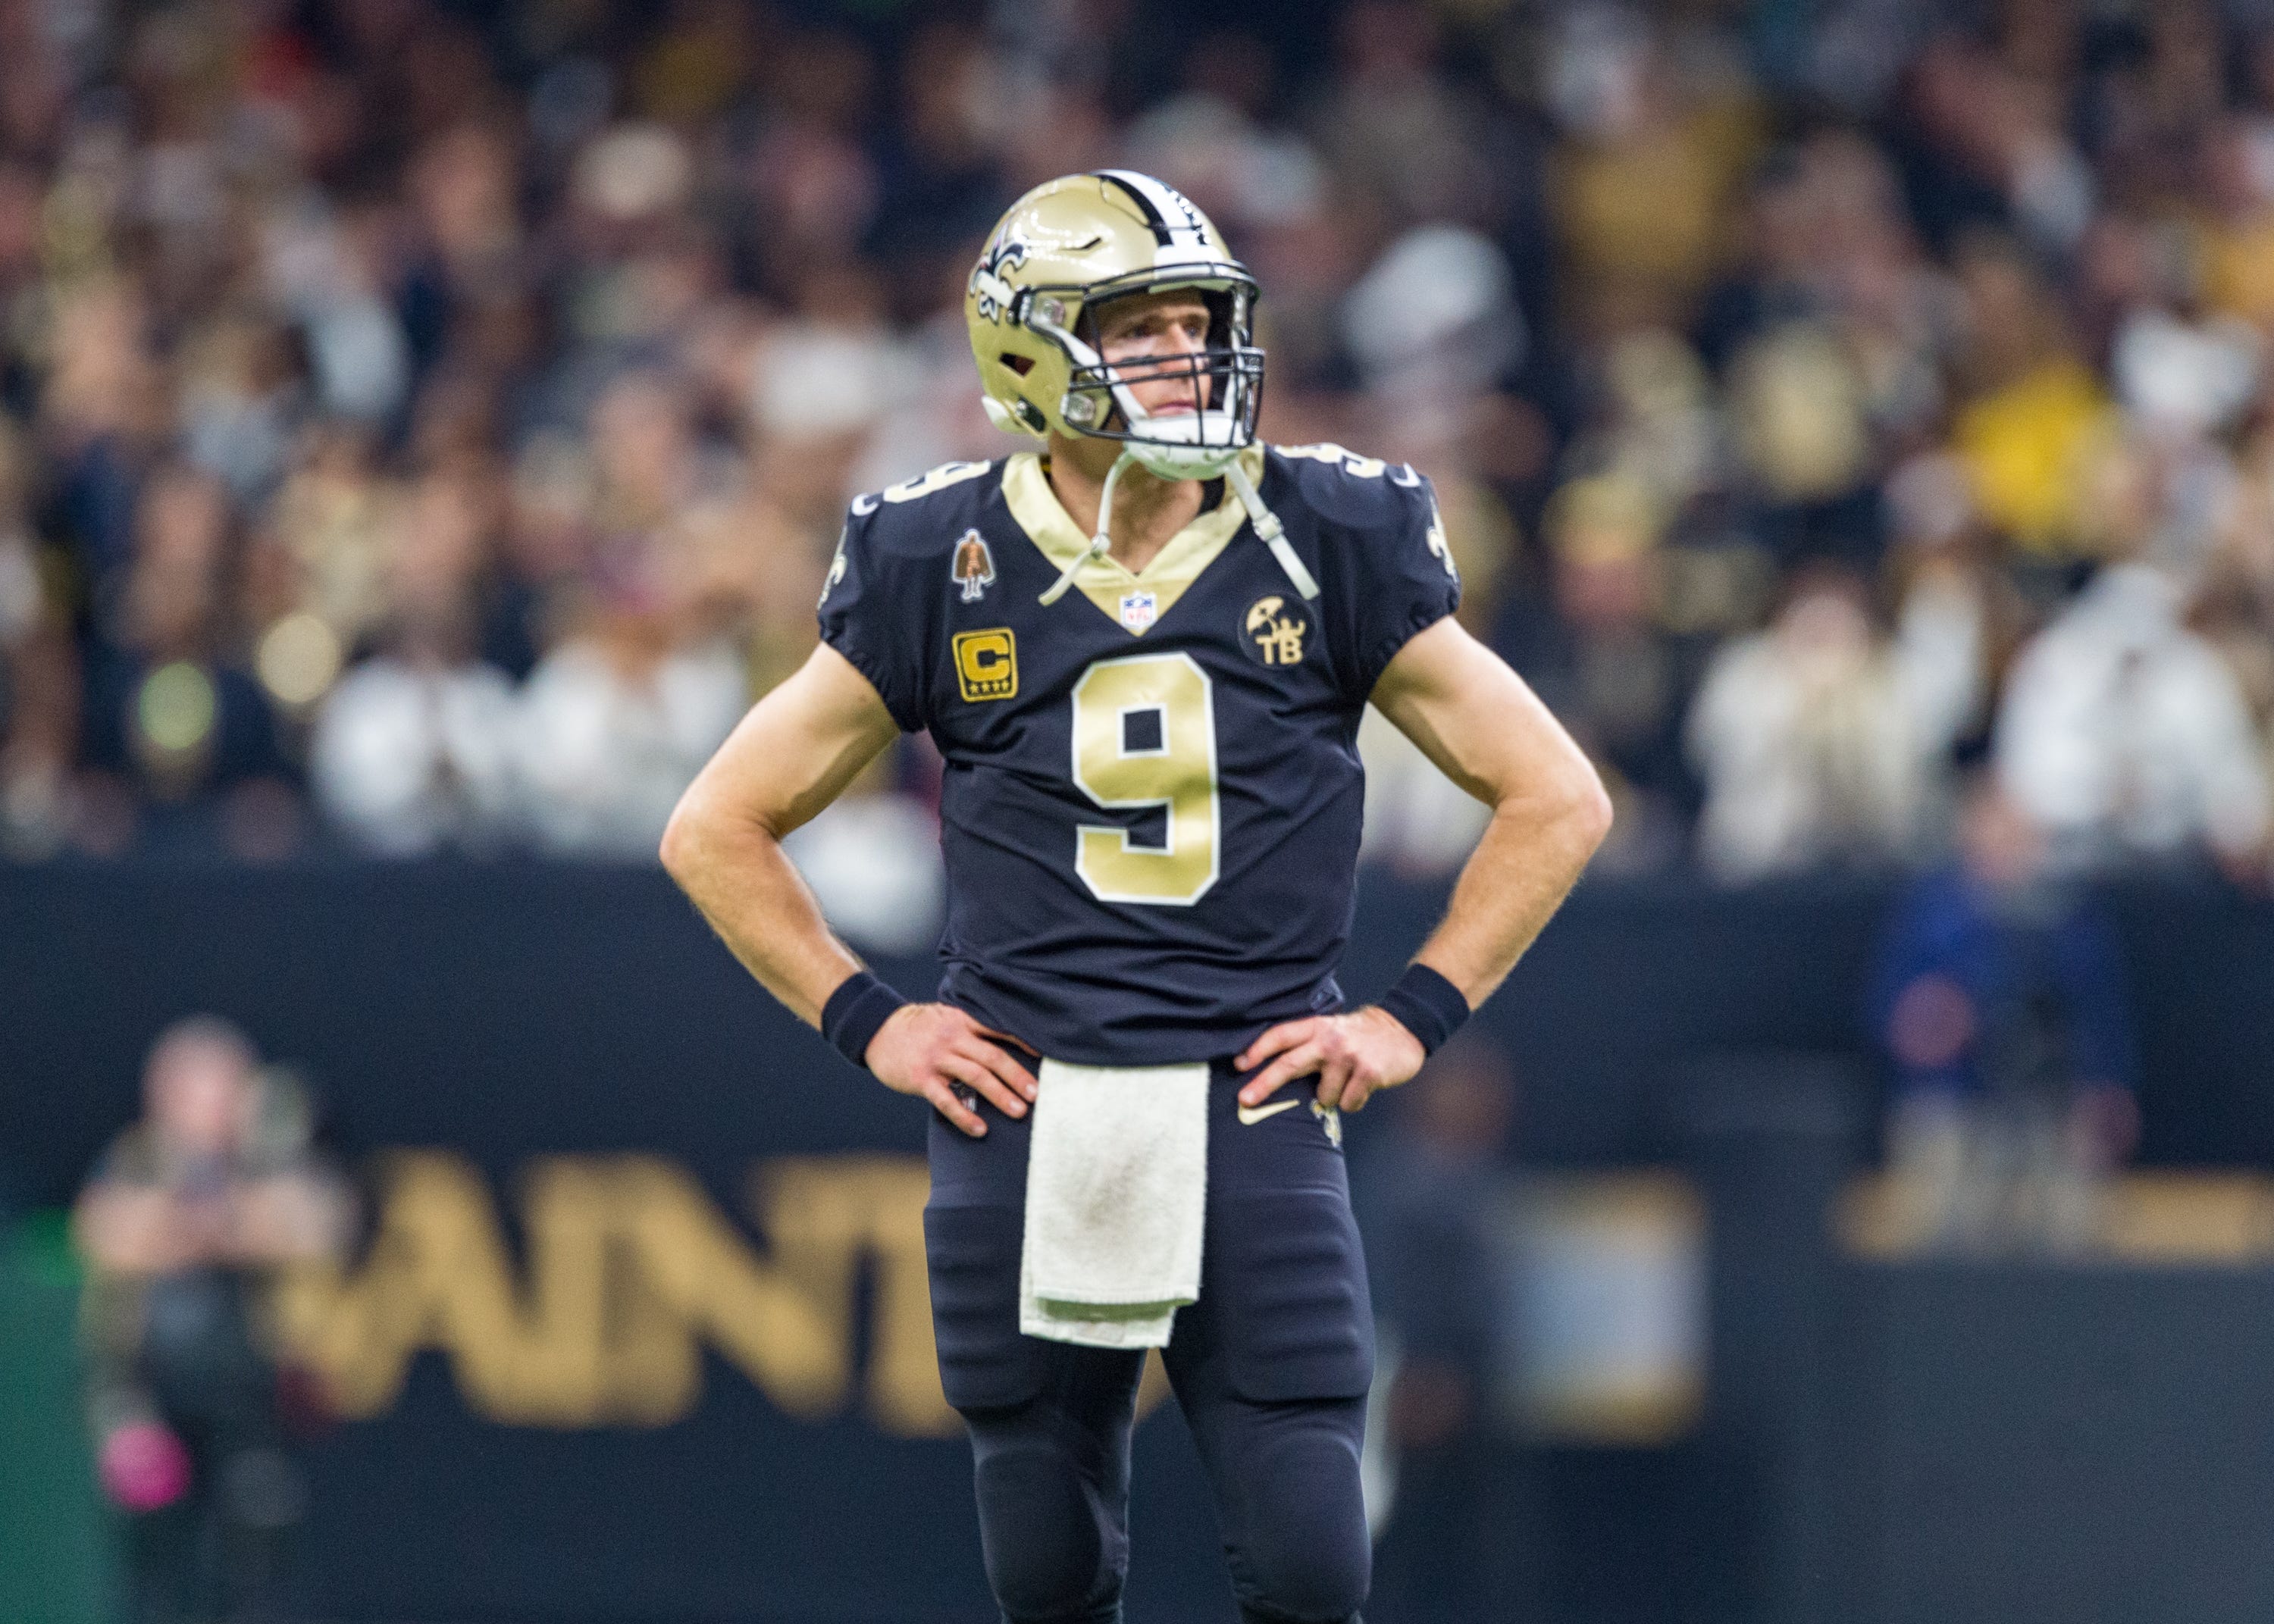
1400 574
867 615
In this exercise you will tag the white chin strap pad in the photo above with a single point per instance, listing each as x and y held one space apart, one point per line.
1195 458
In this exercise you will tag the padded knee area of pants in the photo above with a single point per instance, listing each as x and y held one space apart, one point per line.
1304 1556
1050 1557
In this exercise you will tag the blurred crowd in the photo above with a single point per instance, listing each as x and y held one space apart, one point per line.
425 425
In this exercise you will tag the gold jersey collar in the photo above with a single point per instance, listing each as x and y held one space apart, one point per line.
1104 580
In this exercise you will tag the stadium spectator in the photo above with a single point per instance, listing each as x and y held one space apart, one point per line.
174 718
1599 655
323 548
1821 740
618 718
184 1224
1656 142
414 749
1999 1001
615 724
2032 415
2125 735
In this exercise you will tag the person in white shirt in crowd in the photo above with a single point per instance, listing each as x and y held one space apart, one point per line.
1822 739
2125 735
646 682
413 750
612 730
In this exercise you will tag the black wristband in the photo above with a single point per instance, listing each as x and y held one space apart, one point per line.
1427 1005
861 1004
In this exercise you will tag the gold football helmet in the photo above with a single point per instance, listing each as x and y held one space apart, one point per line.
1065 249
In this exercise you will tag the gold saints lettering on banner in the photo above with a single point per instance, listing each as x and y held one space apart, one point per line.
630 1272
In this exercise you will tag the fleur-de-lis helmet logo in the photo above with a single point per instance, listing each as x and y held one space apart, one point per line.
986 284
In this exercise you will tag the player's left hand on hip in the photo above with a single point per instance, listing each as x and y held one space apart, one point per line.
1354 1055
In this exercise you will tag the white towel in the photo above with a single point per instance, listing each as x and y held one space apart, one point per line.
1116 1195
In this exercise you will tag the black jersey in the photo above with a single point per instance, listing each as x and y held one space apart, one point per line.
1151 807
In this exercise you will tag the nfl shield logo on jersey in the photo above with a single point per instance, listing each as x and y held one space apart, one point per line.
1138 610
975 566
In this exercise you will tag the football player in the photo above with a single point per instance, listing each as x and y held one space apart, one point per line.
1143 649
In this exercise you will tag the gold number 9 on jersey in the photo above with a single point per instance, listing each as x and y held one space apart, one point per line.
1144 735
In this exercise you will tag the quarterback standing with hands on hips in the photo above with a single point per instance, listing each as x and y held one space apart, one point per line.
1143 650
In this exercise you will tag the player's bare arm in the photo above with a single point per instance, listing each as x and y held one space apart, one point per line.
1488 733
792 756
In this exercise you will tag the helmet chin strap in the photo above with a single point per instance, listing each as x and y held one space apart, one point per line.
1273 533
1099 543
1268 528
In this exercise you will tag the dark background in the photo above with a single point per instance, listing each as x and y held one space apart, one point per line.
1887 1443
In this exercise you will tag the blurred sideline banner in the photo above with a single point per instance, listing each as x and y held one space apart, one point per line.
589 1008
641 1330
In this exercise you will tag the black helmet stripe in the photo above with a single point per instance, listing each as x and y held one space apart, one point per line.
1165 209
1145 207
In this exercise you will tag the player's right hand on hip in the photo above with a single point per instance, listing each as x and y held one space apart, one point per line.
928 1048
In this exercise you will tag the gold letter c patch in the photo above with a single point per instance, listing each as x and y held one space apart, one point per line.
987 664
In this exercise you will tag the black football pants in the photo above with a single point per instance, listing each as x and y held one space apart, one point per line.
1270 1367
